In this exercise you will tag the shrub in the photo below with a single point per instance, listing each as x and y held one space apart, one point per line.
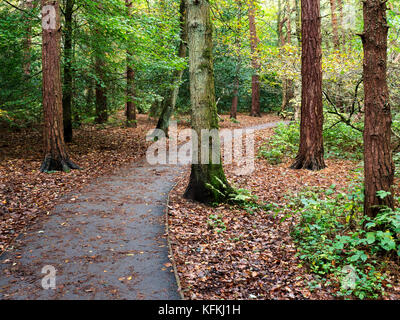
340 245
340 141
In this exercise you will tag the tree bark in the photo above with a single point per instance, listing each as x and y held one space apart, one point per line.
101 97
311 150
68 56
29 5
169 102
235 99
56 157
334 21
236 85
378 163
298 21
343 31
287 84
207 181
255 61
130 81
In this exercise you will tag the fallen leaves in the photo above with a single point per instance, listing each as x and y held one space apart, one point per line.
255 257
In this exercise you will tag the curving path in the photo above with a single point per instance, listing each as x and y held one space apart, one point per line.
108 242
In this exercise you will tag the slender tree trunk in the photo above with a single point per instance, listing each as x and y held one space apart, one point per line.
341 27
101 97
336 44
169 103
130 82
290 88
29 5
378 163
236 85
68 56
255 97
90 96
235 99
334 21
207 180
56 157
287 84
279 24
311 150
130 95
298 22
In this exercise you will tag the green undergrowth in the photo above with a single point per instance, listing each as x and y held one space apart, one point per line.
339 245
340 141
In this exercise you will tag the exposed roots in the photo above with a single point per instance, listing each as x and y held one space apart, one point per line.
309 163
215 189
51 164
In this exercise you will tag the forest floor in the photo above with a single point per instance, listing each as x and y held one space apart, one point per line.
228 252
102 228
26 194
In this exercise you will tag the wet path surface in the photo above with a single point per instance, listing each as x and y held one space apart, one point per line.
107 242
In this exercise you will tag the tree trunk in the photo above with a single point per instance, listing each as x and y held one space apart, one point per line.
311 150
130 81
236 85
298 22
207 181
343 31
56 157
335 33
101 97
235 99
68 56
169 102
255 61
287 84
378 163
29 6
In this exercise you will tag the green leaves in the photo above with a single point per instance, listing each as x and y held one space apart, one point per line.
333 234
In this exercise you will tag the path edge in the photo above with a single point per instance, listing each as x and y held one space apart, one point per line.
170 251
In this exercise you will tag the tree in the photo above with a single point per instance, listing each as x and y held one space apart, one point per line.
68 56
287 84
101 89
255 61
56 157
29 6
311 150
130 82
335 32
100 63
378 163
207 181
236 85
169 101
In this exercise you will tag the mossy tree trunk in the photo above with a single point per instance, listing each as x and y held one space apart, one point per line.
207 181
56 157
378 163
169 102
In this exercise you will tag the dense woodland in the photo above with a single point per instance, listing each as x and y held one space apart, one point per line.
107 71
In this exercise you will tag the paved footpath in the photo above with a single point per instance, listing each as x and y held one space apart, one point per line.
107 242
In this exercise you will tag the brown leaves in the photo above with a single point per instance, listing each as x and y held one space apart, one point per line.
26 194
255 257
